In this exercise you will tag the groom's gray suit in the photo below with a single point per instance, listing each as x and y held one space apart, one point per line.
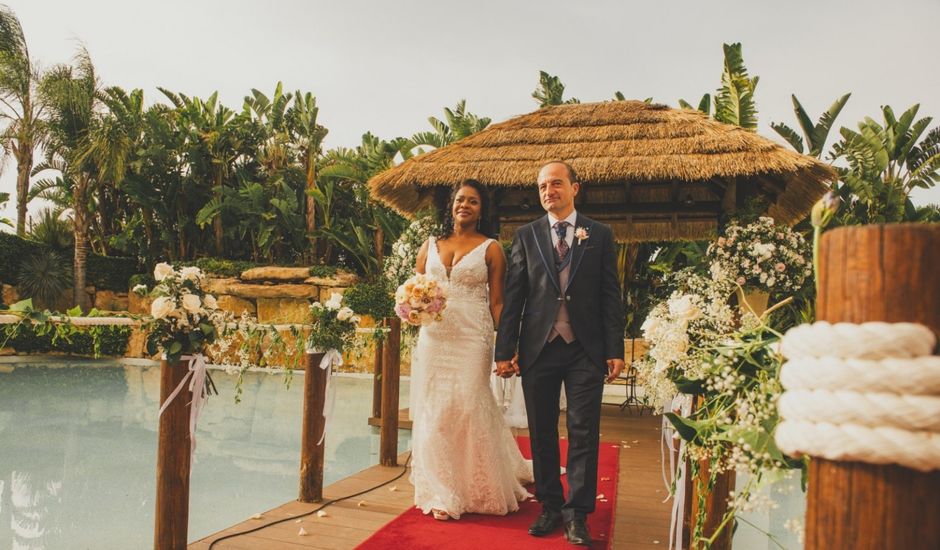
565 318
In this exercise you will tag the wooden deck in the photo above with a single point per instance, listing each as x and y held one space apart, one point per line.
641 516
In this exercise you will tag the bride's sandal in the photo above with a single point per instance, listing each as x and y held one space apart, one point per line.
440 515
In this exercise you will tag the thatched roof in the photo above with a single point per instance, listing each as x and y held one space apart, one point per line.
621 144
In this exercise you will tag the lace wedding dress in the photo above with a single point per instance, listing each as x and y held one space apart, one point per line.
465 458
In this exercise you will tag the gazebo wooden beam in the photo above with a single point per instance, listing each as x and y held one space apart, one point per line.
710 208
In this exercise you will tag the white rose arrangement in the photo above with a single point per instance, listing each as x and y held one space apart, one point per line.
185 319
761 256
694 317
334 325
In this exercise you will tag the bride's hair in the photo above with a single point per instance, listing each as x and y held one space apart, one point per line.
484 225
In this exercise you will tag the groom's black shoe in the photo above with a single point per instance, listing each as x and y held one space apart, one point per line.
548 521
576 532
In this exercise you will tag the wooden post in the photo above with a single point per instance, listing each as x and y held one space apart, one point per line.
171 524
377 374
715 504
876 273
390 378
311 453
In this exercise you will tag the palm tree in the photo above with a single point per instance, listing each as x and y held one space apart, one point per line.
551 91
110 146
308 138
71 96
734 102
459 124
816 134
214 142
22 109
886 161
344 172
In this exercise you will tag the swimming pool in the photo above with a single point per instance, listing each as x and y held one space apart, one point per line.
78 451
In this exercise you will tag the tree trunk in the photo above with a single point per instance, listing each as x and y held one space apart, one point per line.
876 273
24 165
217 223
147 217
80 230
311 207
380 250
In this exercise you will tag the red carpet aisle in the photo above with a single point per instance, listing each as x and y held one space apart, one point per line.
416 531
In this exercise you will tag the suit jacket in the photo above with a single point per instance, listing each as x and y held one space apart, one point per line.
533 294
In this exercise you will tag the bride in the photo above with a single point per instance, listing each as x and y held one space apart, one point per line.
465 458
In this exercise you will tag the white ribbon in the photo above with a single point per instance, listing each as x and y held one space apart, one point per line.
682 405
197 385
330 357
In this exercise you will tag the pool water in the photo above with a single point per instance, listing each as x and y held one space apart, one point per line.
78 451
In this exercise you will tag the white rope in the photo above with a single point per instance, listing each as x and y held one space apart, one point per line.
909 412
859 341
867 393
77 321
851 442
914 376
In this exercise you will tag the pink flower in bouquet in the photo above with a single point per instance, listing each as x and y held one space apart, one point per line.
420 300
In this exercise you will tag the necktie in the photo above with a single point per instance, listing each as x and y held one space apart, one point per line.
562 249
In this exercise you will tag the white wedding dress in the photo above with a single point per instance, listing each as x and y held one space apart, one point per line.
465 458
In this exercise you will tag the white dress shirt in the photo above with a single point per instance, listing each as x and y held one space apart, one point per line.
572 219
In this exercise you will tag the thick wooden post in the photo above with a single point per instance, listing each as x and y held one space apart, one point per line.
876 273
390 379
311 453
377 374
171 524
715 503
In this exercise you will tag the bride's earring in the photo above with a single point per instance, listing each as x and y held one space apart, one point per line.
478 224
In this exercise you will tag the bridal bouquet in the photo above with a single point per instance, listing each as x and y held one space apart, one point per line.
420 300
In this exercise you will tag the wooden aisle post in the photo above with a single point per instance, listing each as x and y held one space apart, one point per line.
390 380
377 373
311 453
715 502
171 524
876 273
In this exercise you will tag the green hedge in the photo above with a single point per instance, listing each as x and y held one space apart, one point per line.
110 272
219 266
113 341
102 272
12 250
373 299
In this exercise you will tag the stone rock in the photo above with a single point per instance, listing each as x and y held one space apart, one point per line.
236 305
247 290
10 295
218 285
283 310
108 300
326 292
138 305
7 351
137 343
273 273
342 278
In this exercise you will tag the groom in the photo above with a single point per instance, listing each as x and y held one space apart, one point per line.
564 317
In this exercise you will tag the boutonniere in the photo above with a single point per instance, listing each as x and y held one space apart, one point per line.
581 234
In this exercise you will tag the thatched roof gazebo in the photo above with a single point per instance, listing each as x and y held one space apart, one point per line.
649 171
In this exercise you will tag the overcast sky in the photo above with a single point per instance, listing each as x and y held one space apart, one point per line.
386 66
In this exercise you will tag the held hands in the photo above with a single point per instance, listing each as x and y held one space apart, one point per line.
614 367
506 369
